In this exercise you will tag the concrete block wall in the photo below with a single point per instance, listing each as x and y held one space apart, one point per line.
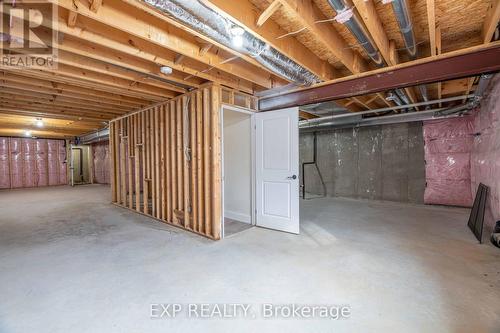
379 163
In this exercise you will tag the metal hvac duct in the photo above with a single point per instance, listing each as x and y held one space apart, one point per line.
403 16
402 12
356 27
204 20
99 135
353 23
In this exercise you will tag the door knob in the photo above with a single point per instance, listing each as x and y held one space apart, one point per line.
292 177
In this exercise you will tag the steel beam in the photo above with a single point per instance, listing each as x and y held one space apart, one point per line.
453 65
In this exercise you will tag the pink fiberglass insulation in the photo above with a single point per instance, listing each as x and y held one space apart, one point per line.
107 164
62 163
41 162
448 144
16 163
53 161
4 163
485 157
26 162
101 162
29 163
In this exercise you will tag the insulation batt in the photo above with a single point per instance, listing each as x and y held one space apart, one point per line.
463 152
32 162
101 162
29 166
448 145
485 157
16 163
41 162
4 163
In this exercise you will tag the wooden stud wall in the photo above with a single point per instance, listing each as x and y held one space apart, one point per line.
166 161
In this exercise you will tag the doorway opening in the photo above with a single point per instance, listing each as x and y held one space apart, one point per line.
80 165
237 171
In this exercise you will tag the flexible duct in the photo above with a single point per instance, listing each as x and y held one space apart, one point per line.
205 20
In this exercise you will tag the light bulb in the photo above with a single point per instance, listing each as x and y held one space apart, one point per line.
27 133
39 123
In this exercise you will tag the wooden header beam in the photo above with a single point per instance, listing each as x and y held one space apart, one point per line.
453 65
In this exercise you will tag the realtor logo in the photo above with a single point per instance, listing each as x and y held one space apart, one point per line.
28 33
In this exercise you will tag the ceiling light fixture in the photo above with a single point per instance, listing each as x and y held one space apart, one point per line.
39 122
27 133
166 70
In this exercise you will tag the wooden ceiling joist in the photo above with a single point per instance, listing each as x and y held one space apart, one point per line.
127 51
268 12
243 13
11 101
111 74
95 5
27 111
491 21
67 101
79 98
72 17
490 24
128 89
431 19
35 133
64 130
308 14
52 87
55 122
307 115
370 17
160 30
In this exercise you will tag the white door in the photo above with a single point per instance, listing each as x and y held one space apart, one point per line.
276 171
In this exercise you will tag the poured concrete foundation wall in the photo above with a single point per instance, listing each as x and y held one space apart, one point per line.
380 162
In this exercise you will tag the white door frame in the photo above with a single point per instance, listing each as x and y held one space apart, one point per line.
251 113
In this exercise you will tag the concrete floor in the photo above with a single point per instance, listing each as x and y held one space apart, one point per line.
71 262
232 227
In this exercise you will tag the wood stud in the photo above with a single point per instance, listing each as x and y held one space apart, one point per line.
166 161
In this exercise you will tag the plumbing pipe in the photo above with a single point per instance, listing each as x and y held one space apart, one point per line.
438 113
361 113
